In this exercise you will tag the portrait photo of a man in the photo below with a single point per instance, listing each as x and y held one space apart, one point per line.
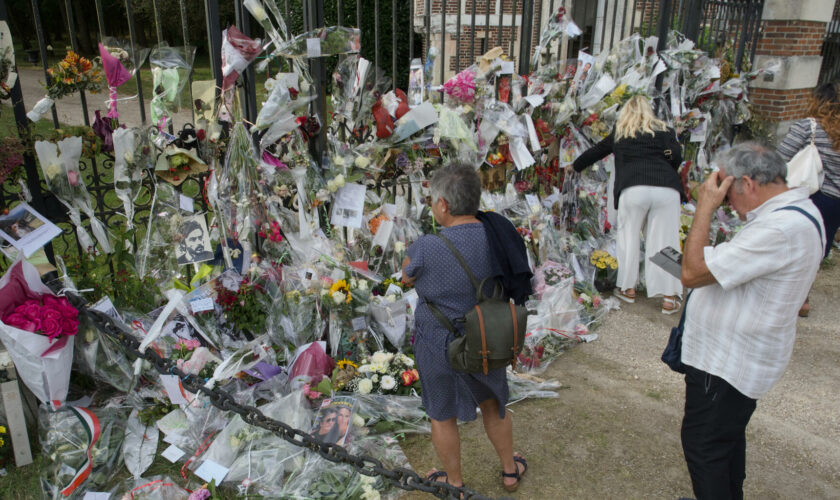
195 242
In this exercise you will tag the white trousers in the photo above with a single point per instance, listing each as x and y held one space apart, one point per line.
657 211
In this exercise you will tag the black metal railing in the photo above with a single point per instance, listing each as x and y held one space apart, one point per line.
830 70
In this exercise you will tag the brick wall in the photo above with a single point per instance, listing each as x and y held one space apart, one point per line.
780 105
791 38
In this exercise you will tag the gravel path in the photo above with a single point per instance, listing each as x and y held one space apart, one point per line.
69 109
614 432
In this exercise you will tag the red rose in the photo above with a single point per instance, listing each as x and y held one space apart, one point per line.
69 327
18 320
408 378
51 328
31 309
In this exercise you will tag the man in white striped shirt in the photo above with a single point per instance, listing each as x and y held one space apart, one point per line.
740 320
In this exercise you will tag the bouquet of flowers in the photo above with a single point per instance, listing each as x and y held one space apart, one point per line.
542 347
120 61
605 267
63 178
170 68
36 330
386 373
243 308
322 42
132 156
74 74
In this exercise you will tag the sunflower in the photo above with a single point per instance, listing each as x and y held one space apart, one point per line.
345 363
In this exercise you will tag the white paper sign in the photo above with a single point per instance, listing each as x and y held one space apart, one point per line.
507 68
313 47
533 200
535 100
210 470
573 30
96 495
532 133
173 453
359 323
348 206
521 157
173 387
186 203
201 305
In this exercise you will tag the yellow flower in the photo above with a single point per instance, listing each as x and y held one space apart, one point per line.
344 363
601 265
2 429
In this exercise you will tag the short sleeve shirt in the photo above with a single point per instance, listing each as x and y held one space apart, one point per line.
742 328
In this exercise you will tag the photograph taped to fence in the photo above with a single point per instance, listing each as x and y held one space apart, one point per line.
26 229
195 241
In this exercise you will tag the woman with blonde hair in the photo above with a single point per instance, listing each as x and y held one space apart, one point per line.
824 112
646 194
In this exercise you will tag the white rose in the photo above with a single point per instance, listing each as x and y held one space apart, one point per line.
339 180
322 195
388 382
332 186
269 84
339 297
379 357
358 422
365 386
53 170
399 246
362 161
391 298
364 369
362 285
338 161
129 157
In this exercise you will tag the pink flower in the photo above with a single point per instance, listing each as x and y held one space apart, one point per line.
73 177
49 313
31 309
18 320
69 327
51 328
201 494
67 310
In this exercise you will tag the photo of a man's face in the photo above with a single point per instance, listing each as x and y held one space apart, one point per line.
195 243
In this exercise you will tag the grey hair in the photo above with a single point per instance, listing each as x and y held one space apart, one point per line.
460 186
756 161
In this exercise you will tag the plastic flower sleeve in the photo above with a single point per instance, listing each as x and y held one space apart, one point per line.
41 108
170 69
524 386
151 488
155 254
237 184
131 158
100 356
120 63
83 445
238 51
393 414
322 42
140 447
63 178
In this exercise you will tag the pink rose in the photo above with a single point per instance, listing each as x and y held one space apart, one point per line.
69 327
73 177
18 320
50 313
51 328
31 309
66 308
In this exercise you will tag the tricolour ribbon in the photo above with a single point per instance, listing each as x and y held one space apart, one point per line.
92 428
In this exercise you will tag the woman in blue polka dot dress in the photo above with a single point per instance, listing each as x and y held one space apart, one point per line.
439 278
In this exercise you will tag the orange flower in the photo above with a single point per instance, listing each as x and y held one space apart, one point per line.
409 377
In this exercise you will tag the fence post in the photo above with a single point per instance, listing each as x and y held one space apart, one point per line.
662 29
525 38
42 44
214 37
691 19
33 180
313 19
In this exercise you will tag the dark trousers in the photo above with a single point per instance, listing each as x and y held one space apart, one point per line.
713 435
830 209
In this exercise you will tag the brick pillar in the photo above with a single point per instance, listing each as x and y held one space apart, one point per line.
793 33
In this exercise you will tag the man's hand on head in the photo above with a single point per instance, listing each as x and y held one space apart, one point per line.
711 193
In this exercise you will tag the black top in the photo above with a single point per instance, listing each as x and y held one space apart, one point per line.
639 161
510 259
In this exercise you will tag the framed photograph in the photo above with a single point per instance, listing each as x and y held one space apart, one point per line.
195 241
27 230
584 68
334 420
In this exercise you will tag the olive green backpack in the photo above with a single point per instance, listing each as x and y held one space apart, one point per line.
494 328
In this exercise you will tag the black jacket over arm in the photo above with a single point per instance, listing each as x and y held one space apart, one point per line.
643 160
509 255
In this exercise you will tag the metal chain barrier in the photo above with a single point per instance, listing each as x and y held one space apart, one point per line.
399 477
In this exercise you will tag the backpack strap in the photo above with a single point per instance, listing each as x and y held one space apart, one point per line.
806 214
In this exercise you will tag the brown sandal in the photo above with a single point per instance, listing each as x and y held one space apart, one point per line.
517 459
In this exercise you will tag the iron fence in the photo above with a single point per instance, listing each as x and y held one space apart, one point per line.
830 70
461 30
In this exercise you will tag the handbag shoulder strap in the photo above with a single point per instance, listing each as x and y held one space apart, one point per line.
682 316
461 261
806 214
